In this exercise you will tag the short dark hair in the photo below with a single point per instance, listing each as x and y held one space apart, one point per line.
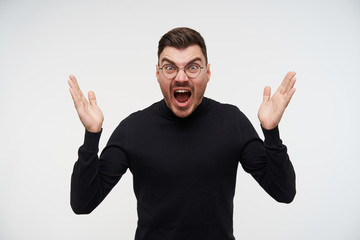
180 38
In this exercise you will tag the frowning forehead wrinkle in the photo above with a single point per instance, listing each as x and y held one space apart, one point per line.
171 62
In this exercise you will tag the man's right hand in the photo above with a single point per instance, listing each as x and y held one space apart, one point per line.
89 113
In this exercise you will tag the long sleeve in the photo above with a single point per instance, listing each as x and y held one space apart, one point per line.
269 164
184 170
93 177
280 182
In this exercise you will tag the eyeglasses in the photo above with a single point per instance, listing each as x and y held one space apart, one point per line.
191 70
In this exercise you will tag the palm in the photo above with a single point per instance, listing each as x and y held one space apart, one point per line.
89 113
272 109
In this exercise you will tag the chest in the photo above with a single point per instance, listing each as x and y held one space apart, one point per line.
183 153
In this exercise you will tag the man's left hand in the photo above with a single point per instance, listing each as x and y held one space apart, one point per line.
272 109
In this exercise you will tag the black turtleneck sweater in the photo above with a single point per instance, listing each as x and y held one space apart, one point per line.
184 169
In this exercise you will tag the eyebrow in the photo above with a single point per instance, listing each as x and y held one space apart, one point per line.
172 63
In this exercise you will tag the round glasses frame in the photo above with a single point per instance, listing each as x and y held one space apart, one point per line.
190 73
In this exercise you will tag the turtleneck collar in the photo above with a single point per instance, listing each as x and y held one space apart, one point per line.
201 109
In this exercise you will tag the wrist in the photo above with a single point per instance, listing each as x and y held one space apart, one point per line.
272 136
91 140
93 130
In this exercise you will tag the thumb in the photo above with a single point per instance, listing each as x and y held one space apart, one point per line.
267 94
92 98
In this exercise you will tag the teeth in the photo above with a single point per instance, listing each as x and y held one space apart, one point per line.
181 91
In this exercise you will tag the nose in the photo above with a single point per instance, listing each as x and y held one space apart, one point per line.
181 76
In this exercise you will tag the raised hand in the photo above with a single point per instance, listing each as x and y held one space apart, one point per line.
89 113
272 109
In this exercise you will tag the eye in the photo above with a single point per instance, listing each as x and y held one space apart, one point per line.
192 67
169 68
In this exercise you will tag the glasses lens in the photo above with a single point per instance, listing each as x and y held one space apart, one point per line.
169 71
192 70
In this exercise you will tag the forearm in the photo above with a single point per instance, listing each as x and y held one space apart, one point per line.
94 177
279 178
85 184
269 164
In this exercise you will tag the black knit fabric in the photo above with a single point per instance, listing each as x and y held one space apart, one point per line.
184 169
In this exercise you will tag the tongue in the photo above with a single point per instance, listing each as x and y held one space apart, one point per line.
182 97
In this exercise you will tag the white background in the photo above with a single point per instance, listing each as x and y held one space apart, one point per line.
111 47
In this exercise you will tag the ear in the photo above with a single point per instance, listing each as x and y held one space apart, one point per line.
208 72
157 72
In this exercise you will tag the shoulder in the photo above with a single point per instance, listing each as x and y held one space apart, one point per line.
142 115
230 115
224 108
231 120
136 121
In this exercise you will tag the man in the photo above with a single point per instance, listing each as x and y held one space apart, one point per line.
184 150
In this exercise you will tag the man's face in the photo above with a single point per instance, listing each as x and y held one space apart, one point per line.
183 94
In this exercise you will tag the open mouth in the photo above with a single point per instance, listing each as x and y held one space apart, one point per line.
182 96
